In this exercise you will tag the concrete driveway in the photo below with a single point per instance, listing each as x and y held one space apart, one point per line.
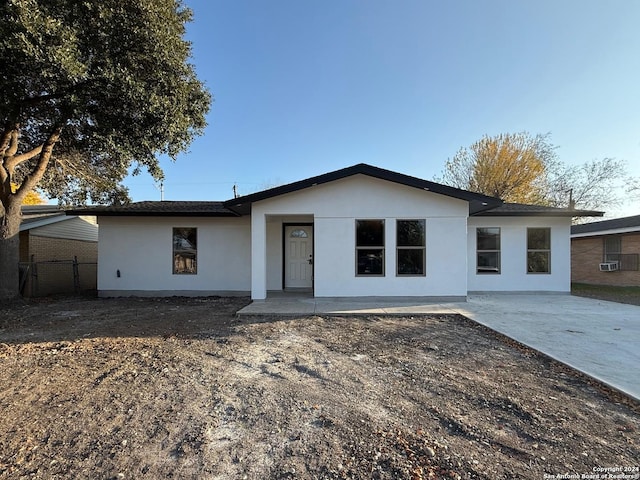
601 339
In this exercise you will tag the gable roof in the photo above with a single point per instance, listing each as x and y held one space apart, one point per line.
604 227
477 201
479 204
524 210
162 208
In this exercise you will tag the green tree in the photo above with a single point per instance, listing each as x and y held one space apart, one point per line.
88 91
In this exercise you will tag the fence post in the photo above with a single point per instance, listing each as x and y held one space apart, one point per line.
25 272
34 276
76 275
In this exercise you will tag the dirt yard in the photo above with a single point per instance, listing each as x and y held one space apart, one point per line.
180 388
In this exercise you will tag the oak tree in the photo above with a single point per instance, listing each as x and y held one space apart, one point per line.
89 91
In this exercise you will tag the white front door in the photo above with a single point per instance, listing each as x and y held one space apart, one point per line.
298 256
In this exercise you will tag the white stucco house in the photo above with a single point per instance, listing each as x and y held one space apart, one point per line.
359 231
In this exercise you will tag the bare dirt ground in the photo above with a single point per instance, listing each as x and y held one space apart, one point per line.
180 388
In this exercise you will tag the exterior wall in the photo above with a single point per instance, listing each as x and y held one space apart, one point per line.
513 276
586 255
74 228
46 249
141 248
24 246
56 240
334 207
57 275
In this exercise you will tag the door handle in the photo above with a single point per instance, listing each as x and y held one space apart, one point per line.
310 259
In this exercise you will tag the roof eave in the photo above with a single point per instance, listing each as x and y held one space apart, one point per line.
108 213
610 231
563 213
242 205
41 222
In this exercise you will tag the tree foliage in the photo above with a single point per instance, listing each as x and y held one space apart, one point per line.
521 168
31 198
510 166
90 90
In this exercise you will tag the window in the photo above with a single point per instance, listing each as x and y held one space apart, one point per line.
488 250
538 250
185 249
613 253
612 248
370 247
299 233
410 244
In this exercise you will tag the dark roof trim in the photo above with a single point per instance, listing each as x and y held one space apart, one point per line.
632 223
158 209
477 202
524 210
41 209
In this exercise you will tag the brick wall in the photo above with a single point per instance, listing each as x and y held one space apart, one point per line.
586 255
24 246
55 278
47 249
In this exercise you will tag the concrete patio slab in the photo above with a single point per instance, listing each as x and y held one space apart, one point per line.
596 337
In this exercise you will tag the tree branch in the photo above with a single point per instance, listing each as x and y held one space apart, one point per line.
5 184
12 162
34 177
36 99
13 145
8 142
5 140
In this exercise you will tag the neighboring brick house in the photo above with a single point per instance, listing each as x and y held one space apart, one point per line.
50 243
606 252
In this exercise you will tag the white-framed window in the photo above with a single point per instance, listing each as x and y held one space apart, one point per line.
185 251
488 250
370 248
410 248
538 250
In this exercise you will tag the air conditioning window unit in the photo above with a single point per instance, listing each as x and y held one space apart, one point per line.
609 267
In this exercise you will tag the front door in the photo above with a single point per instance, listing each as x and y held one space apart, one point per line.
298 256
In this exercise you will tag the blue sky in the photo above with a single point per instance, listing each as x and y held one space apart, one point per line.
302 88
